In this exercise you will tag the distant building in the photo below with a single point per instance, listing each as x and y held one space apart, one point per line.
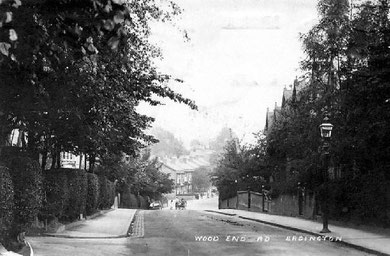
17 138
290 94
181 169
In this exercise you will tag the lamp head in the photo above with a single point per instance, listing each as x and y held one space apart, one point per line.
326 128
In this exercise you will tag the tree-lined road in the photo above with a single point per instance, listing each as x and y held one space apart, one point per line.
183 232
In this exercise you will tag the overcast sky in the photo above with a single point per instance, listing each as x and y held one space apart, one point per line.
240 56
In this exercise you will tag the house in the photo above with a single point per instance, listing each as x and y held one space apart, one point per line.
16 139
180 170
290 94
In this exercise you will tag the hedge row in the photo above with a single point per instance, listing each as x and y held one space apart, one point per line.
20 197
92 194
131 201
27 179
6 201
26 193
71 192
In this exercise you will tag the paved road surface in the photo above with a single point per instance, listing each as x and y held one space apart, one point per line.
181 232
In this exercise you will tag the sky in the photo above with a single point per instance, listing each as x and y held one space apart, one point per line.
240 56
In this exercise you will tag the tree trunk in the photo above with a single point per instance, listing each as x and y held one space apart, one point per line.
44 160
32 146
53 160
92 160
58 152
81 160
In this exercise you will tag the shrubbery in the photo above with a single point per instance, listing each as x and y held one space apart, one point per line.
56 194
78 183
142 202
106 194
131 201
6 202
27 179
93 193
128 200
111 193
70 192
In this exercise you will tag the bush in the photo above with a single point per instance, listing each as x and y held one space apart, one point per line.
142 202
104 197
6 202
78 184
111 193
128 200
56 191
92 194
27 179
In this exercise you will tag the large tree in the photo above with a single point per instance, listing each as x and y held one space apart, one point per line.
73 72
201 180
348 72
168 145
241 167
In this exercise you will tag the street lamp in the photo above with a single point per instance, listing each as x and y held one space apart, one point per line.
326 133
326 128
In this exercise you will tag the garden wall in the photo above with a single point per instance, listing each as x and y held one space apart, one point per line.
288 205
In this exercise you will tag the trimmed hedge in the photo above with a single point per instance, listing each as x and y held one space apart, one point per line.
128 200
27 179
142 202
131 201
6 202
92 194
78 184
111 193
56 194
70 192
106 193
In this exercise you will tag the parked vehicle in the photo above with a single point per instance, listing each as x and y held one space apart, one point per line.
155 206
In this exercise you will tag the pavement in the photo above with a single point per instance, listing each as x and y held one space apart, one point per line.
376 241
112 224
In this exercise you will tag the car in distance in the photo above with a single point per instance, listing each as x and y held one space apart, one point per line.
155 206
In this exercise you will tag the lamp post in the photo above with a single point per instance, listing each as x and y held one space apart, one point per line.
326 133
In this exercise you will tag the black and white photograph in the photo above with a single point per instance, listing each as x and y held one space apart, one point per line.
194 127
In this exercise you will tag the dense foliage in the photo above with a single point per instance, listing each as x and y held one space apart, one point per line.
168 145
6 203
71 192
77 184
27 180
74 71
128 200
106 193
348 71
140 174
201 180
92 194
241 167
346 77
56 191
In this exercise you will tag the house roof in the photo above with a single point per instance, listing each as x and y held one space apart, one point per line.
182 165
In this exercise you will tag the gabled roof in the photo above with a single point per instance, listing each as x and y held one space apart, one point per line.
271 118
182 165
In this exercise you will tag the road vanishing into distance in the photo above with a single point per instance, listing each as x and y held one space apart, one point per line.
195 232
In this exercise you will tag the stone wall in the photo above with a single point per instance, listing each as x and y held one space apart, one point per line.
289 205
